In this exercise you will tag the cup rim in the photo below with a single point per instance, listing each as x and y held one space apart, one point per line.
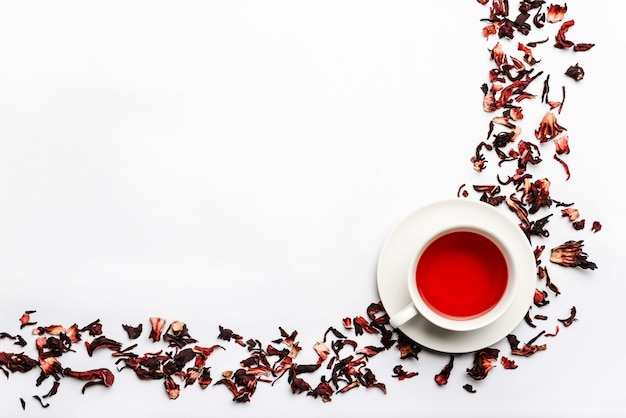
483 319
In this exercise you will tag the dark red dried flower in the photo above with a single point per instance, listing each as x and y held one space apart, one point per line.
324 390
93 377
94 328
102 342
401 374
157 328
565 166
16 362
25 319
469 388
507 363
571 213
576 72
561 41
133 332
540 298
408 348
444 375
555 333
569 320
548 128
597 226
483 363
581 47
570 254
556 13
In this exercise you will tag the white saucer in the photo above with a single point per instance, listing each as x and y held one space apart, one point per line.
414 231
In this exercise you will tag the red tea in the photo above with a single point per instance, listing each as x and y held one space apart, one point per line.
461 274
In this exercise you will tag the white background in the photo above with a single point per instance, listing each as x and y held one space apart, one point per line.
241 163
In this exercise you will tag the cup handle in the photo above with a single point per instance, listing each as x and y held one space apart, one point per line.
408 312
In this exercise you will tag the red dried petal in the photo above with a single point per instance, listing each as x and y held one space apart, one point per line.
401 374
562 144
444 375
507 363
540 298
555 333
565 166
548 128
581 47
94 377
597 226
570 254
569 320
561 41
483 363
157 328
556 13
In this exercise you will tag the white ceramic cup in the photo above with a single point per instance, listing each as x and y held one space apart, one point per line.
418 306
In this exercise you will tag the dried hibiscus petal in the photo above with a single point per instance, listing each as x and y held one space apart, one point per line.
561 41
322 351
528 320
41 402
562 144
442 377
507 363
548 128
177 335
571 213
401 374
227 334
570 254
483 363
556 13
528 350
578 225
94 377
19 340
25 319
469 388
597 226
102 342
540 298
133 332
565 166
407 347
298 385
17 362
95 328
157 328
556 331
576 72
53 390
581 47
569 320
171 387
324 390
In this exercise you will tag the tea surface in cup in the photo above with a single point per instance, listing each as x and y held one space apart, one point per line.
461 275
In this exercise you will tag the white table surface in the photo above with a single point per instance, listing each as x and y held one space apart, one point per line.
240 164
